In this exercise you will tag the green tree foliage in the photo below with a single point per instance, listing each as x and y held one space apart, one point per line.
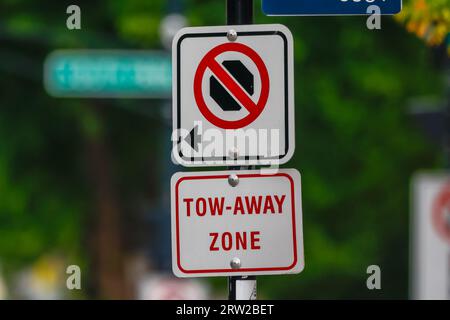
356 150
356 146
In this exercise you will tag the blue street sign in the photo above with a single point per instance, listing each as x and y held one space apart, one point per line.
329 7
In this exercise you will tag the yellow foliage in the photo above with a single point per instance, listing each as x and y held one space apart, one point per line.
428 19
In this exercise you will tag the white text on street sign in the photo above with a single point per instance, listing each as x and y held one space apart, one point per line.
108 74
329 7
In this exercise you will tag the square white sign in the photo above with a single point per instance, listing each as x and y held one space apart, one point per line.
236 223
233 95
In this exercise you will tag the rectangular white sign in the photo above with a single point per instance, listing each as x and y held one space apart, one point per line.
431 237
236 223
233 95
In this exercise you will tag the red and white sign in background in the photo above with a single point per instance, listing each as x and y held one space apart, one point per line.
234 85
441 213
430 252
257 222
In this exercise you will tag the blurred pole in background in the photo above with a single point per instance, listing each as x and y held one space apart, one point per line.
160 242
447 137
106 239
430 262
443 59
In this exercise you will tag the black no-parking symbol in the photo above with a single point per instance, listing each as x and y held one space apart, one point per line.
231 86
218 92
225 86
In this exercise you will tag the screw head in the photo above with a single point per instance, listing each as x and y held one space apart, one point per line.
233 153
233 180
232 35
235 263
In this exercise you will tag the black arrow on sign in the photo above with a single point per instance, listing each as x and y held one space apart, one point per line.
193 138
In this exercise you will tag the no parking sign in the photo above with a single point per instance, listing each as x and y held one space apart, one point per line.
237 86
233 95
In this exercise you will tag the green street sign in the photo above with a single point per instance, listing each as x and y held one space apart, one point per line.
108 74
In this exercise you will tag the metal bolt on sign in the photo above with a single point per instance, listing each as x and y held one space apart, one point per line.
233 180
233 153
232 35
235 263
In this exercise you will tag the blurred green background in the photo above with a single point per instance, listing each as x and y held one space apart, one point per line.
78 177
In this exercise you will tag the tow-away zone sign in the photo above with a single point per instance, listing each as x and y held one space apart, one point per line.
236 223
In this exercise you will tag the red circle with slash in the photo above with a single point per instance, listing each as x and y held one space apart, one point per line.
209 62
441 210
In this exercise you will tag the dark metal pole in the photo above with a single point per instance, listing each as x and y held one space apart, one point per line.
242 288
447 113
239 12
239 287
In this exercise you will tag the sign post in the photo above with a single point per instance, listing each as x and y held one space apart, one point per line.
233 106
241 287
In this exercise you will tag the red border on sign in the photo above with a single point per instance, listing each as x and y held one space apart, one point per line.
177 234
209 61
